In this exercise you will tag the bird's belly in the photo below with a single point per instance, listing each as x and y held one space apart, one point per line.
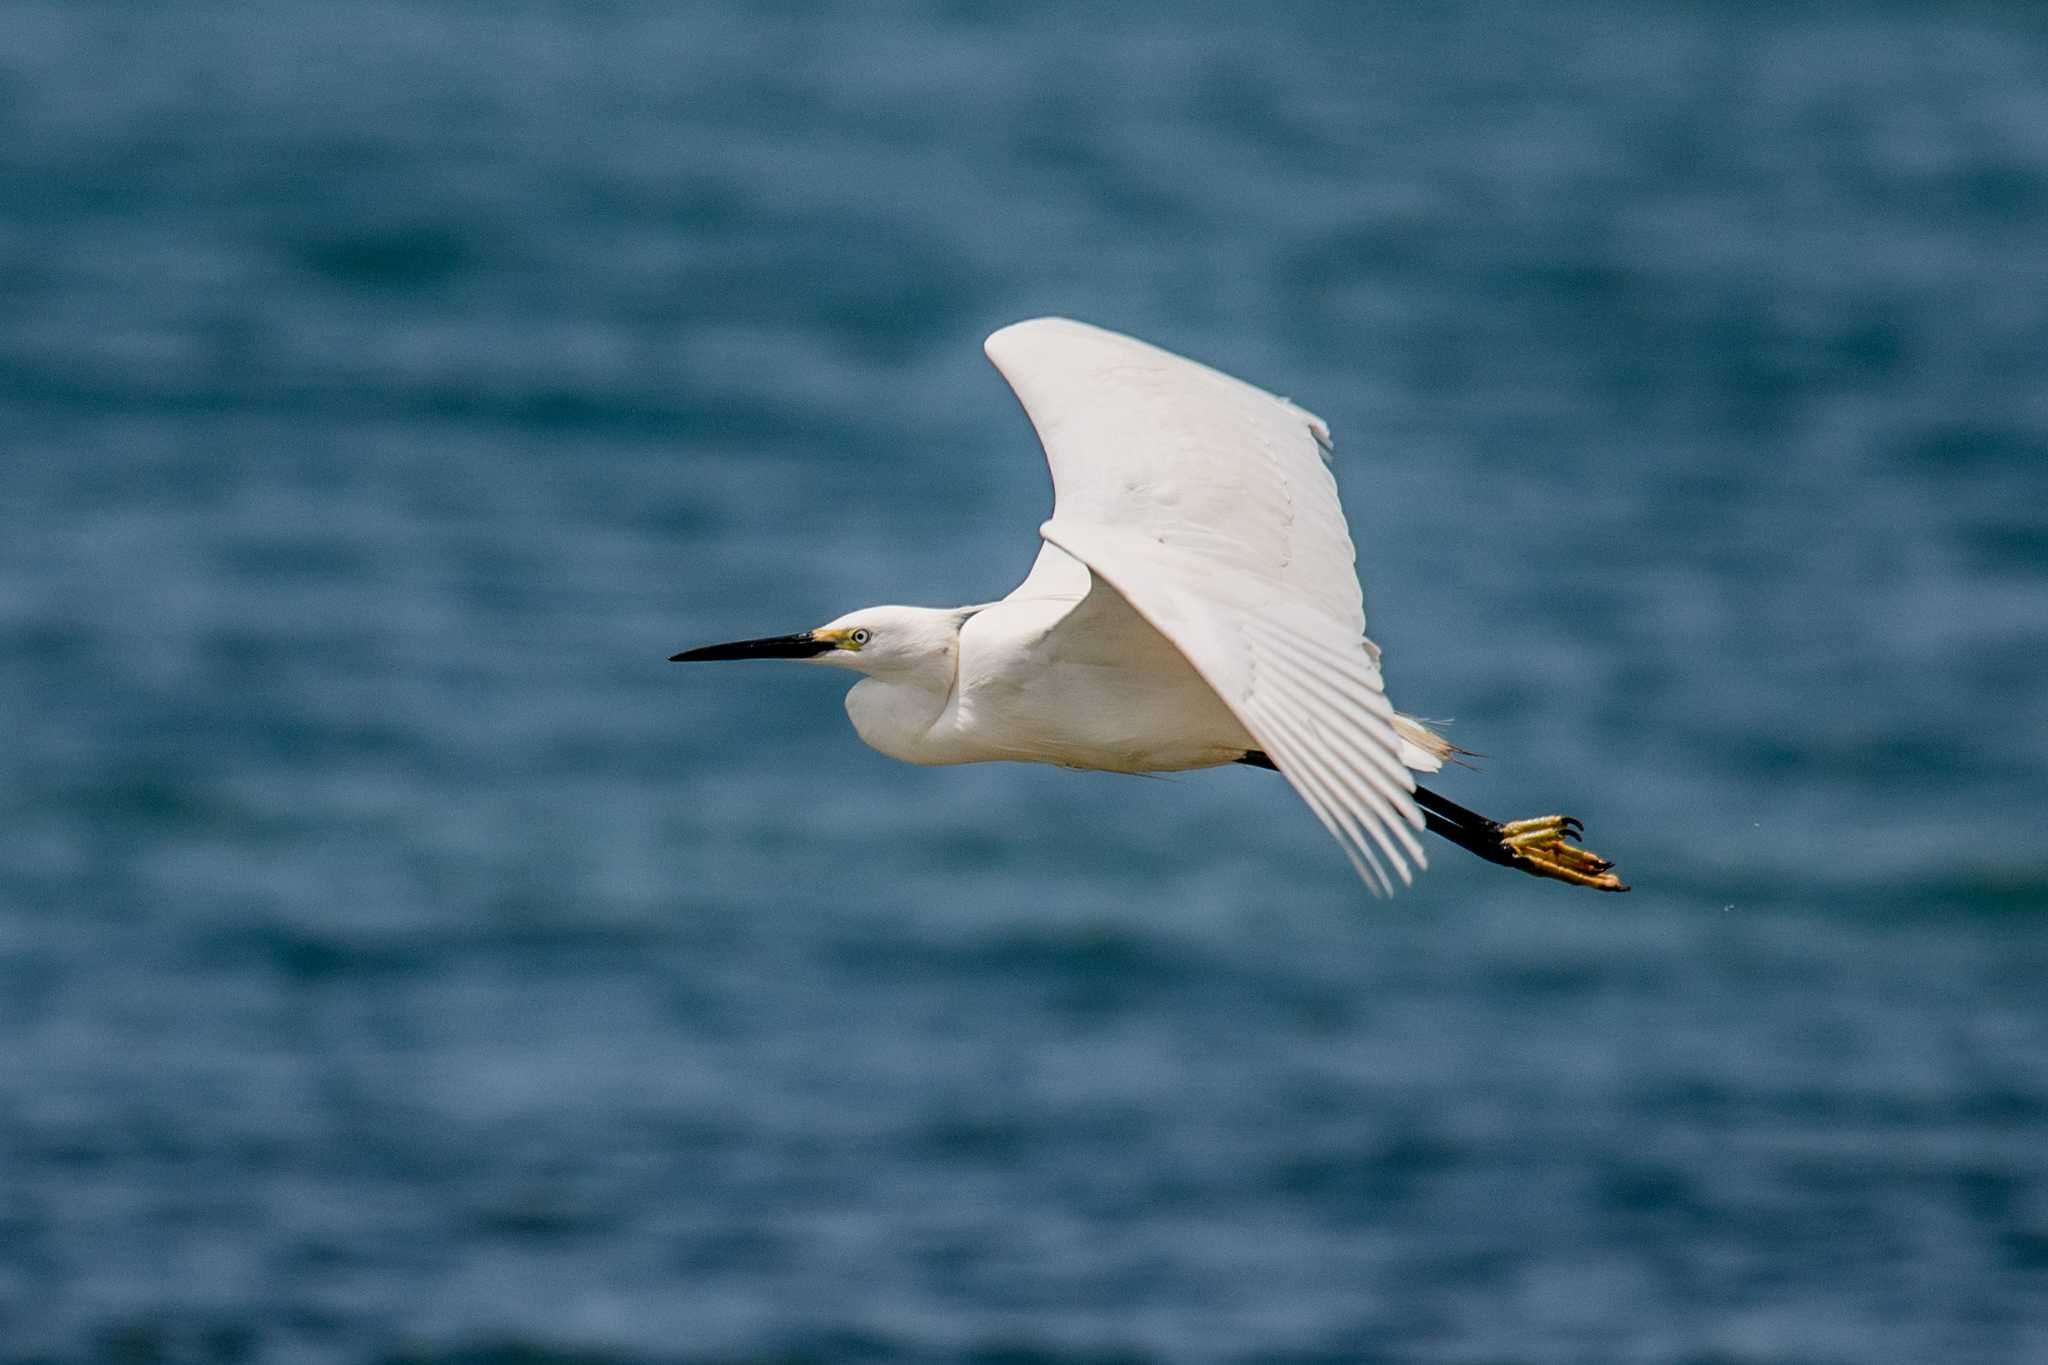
1102 716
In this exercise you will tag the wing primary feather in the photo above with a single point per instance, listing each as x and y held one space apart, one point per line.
1302 762
1343 772
1309 786
1379 743
1368 696
1362 862
1363 827
1362 793
1277 709
1376 818
1329 677
1362 750
1382 743
1372 695
1373 741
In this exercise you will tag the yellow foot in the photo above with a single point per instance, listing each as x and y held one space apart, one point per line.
1543 847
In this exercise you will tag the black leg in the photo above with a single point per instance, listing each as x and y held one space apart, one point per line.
1467 829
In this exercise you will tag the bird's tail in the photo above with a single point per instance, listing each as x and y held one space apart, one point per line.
1423 750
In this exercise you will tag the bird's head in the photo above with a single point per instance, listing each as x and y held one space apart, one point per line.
879 641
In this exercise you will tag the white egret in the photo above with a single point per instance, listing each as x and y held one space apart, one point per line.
1195 603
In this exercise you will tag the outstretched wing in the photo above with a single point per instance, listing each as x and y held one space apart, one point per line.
1207 504
1142 439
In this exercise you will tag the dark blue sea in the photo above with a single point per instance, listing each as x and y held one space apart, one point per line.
401 963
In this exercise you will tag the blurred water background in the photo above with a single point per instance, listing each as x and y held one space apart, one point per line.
400 962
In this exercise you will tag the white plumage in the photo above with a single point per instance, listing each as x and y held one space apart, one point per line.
1209 507
1195 601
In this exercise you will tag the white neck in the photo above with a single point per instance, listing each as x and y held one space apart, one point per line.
895 715
911 666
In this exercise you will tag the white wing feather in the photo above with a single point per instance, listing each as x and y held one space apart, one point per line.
1206 503
1141 439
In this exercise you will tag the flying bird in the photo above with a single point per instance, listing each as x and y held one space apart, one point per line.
1195 603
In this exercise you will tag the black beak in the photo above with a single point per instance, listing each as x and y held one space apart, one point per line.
804 646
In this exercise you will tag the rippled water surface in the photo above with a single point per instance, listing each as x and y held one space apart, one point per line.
399 962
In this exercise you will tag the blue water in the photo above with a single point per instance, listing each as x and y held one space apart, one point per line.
400 962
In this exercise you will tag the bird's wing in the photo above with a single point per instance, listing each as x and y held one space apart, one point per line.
1205 503
1141 439
1055 576
1299 682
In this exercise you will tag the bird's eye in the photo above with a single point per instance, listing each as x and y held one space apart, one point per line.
859 636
